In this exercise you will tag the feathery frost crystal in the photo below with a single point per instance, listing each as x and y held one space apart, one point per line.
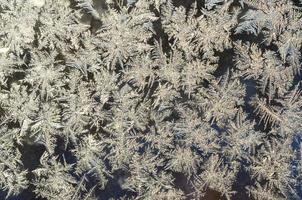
150 99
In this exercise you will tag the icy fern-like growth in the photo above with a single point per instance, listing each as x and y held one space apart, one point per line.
150 99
